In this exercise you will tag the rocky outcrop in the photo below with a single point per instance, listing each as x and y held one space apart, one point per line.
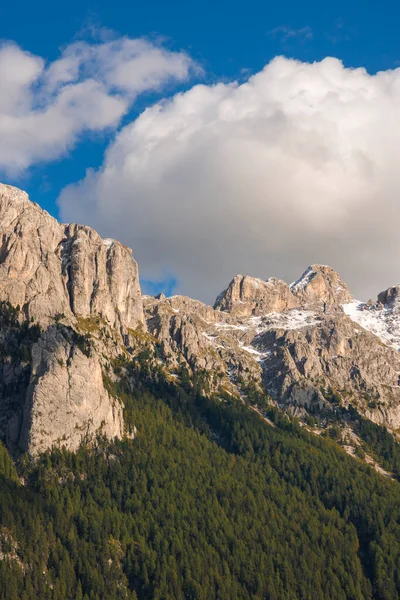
66 402
390 298
320 285
246 296
196 337
50 269
342 363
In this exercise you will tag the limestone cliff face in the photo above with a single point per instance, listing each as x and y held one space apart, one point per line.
320 285
47 268
72 283
339 362
66 402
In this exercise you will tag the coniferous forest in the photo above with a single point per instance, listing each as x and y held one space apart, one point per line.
208 501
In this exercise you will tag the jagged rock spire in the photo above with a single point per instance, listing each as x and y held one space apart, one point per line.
319 285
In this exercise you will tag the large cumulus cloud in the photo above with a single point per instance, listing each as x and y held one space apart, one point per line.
297 165
45 107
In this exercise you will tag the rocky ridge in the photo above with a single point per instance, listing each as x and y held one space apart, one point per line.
309 345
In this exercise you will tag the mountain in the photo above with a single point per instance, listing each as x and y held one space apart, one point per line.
155 447
309 346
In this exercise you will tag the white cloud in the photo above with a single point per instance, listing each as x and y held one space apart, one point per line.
296 166
44 108
285 33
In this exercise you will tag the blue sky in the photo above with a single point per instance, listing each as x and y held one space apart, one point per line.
229 41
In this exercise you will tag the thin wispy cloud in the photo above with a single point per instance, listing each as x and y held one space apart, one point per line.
285 33
339 33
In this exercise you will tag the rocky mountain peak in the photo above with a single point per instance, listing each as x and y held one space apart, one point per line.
390 298
246 296
50 269
319 285
13 196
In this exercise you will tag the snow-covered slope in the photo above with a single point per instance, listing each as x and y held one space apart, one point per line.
384 322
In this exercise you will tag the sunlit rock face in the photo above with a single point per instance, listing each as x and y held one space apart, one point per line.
246 296
320 286
67 279
48 268
66 402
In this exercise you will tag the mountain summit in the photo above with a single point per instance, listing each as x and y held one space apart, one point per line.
47 268
246 296
319 285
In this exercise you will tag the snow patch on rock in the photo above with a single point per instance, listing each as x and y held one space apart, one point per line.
382 322
303 280
289 320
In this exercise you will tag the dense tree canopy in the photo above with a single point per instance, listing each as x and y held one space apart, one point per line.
208 501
